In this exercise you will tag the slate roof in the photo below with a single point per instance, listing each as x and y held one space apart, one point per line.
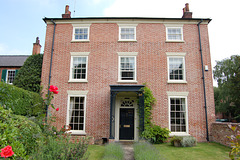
12 60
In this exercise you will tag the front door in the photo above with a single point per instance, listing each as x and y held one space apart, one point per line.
126 124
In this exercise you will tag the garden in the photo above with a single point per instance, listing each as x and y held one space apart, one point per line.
26 133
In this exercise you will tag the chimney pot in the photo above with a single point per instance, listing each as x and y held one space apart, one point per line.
36 47
186 13
67 12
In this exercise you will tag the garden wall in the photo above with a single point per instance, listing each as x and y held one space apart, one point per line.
220 131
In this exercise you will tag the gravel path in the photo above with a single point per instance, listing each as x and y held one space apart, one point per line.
128 150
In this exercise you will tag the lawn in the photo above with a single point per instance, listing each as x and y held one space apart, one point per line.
209 151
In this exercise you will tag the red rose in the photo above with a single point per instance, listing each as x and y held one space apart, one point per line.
7 152
53 89
57 109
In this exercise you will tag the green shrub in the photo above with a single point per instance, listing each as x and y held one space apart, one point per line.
29 75
18 132
61 148
113 151
155 134
146 151
21 102
184 141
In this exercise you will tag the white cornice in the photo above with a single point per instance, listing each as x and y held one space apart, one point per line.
127 53
79 53
176 53
177 93
127 21
71 92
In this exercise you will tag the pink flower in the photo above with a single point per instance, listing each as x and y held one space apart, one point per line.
7 152
53 89
57 109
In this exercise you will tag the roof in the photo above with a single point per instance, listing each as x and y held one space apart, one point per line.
12 60
125 18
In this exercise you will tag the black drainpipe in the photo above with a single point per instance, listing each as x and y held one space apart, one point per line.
50 70
205 102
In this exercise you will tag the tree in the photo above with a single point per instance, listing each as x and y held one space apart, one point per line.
29 75
227 74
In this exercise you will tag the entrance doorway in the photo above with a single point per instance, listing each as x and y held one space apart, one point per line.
126 124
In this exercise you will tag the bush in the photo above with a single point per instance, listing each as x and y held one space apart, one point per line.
61 148
185 141
113 151
29 75
155 134
18 132
146 151
21 102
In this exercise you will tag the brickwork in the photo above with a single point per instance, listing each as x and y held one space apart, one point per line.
220 131
152 67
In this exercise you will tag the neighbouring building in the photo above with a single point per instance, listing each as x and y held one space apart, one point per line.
100 65
10 64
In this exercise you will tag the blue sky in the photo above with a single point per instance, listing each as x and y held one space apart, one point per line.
21 20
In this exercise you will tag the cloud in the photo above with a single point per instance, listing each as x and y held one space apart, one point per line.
5 50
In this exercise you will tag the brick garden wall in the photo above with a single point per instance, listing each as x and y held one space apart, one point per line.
220 131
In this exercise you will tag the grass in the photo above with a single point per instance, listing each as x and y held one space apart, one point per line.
209 151
96 152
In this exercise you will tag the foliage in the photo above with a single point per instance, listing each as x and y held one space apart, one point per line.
21 102
184 141
235 144
156 134
29 75
18 132
113 151
227 74
146 151
96 152
61 148
152 132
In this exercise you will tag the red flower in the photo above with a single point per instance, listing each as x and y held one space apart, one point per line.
7 152
57 109
53 89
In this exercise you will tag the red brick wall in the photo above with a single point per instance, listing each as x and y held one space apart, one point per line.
151 68
220 131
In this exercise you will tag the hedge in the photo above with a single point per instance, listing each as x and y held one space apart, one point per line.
20 101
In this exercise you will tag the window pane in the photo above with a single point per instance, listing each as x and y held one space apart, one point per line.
76 113
174 33
127 33
81 33
176 69
178 116
79 68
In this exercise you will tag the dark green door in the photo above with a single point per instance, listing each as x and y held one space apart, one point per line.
126 126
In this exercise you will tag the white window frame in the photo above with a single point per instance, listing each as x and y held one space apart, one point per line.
178 95
176 55
78 54
174 26
80 26
9 70
127 54
127 26
77 94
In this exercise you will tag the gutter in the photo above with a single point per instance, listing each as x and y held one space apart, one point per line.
204 90
50 70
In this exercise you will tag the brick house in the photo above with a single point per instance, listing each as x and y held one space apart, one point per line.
100 64
10 64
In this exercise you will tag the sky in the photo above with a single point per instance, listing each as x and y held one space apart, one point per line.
21 20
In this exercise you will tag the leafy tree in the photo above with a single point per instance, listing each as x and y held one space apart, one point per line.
29 76
227 98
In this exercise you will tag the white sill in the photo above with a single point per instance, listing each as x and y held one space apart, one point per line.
85 40
78 81
179 134
175 41
126 81
180 81
127 40
72 132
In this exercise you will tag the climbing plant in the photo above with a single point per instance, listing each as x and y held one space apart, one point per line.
152 132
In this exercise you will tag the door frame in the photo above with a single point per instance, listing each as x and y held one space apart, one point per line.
117 117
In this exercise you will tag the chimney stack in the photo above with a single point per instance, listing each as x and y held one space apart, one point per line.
186 13
67 12
36 47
